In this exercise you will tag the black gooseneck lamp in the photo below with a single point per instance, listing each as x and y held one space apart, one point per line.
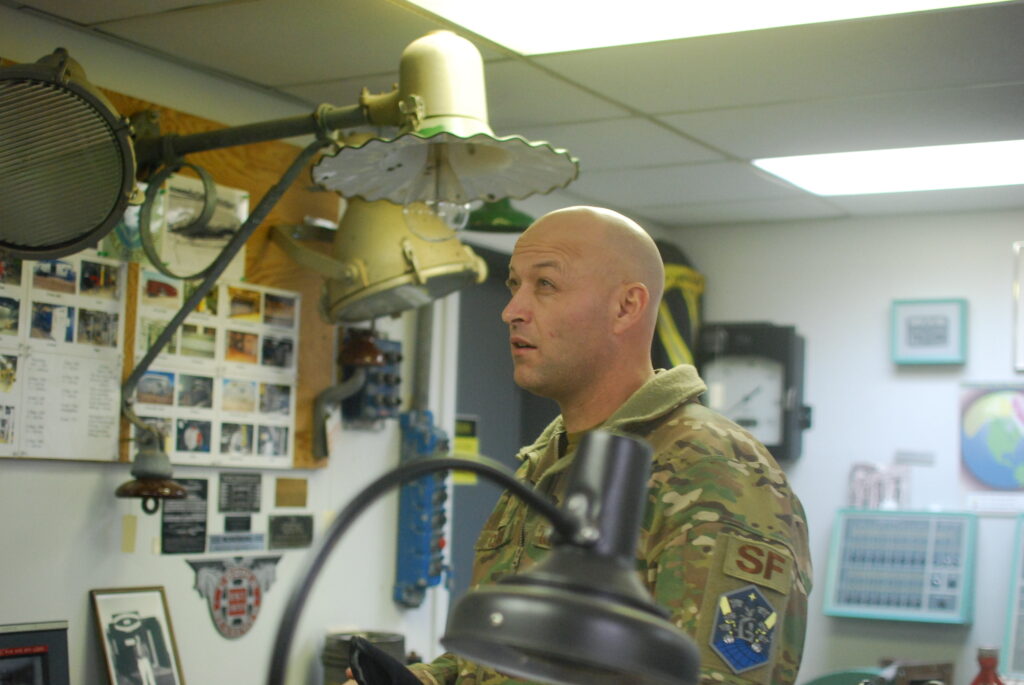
579 617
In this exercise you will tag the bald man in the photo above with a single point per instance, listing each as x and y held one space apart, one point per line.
724 539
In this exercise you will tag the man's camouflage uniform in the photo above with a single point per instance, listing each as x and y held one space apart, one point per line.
723 544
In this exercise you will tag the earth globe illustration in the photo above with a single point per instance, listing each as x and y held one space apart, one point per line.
992 439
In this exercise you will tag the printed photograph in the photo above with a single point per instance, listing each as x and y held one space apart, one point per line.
243 304
238 395
195 391
207 305
7 424
10 269
10 311
156 387
273 441
8 372
192 435
275 399
99 280
162 424
150 330
53 322
279 310
235 438
55 275
277 351
160 291
137 637
97 328
241 347
198 341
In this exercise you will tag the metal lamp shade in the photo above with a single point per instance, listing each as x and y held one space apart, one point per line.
442 94
389 270
66 160
488 167
581 616
571 636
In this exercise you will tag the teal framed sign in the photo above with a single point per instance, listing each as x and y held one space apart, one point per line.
902 566
929 331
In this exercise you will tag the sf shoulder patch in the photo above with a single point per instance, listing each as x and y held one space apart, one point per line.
744 629
757 562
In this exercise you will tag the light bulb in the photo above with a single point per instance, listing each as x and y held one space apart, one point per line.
436 204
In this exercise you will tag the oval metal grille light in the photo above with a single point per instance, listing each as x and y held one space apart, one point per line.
66 162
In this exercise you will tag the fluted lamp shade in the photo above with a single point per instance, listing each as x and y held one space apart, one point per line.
67 164
582 616
446 156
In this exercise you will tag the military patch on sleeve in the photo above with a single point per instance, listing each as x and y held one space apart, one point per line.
744 631
759 563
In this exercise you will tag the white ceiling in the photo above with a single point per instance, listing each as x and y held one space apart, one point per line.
663 131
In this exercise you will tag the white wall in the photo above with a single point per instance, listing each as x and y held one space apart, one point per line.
835 281
61 527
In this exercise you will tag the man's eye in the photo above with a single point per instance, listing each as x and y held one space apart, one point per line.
545 283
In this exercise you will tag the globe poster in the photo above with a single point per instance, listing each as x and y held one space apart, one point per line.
992 436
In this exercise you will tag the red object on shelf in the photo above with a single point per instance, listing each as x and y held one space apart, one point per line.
988 659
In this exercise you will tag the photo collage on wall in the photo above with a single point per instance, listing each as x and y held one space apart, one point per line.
223 388
61 352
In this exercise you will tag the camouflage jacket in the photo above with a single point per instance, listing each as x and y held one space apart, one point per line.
723 544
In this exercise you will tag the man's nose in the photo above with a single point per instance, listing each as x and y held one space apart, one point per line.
513 311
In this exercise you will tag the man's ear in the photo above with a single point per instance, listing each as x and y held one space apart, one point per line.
634 299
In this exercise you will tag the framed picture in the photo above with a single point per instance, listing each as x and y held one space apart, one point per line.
929 331
34 653
136 636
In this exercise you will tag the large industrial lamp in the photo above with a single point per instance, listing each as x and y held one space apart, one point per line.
581 616
68 165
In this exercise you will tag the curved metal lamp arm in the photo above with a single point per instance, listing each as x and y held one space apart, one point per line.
563 523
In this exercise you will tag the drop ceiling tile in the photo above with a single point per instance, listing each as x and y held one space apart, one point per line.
88 13
753 211
839 59
279 42
962 115
622 143
927 202
519 94
637 189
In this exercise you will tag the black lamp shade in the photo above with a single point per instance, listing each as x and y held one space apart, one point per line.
581 616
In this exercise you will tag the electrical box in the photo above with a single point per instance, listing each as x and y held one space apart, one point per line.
380 397
421 512
901 566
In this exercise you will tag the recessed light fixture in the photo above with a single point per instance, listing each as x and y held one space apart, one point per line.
535 27
900 170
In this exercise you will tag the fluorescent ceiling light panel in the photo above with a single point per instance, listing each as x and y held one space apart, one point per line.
535 27
939 167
